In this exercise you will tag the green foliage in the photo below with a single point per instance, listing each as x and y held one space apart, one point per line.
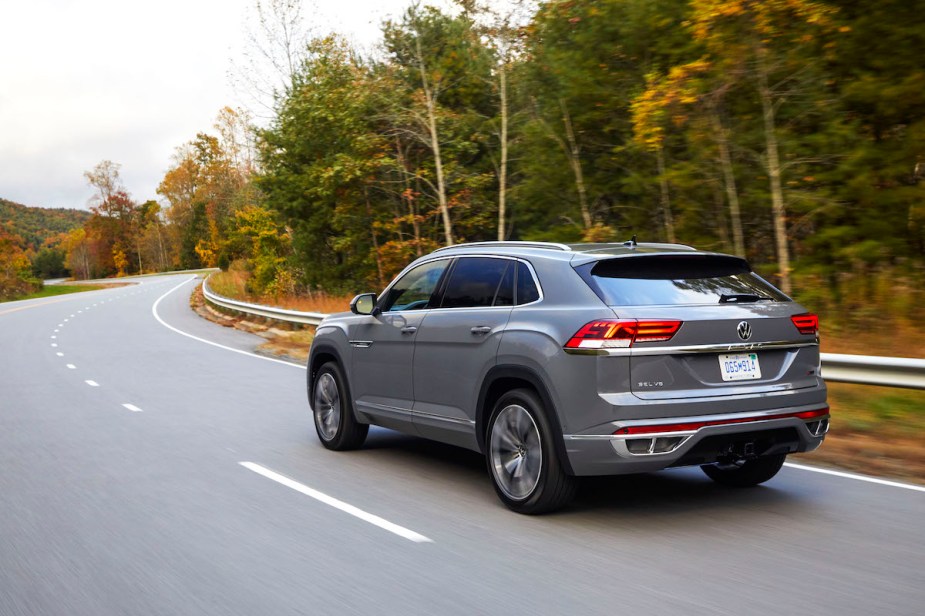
49 263
659 118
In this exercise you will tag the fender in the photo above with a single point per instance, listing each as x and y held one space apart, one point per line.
326 347
506 371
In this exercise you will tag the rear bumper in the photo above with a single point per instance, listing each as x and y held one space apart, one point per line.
637 446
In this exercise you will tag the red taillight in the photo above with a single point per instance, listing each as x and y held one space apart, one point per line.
621 333
693 426
806 323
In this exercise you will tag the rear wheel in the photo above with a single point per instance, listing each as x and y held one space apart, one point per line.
748 473
522 461
335 423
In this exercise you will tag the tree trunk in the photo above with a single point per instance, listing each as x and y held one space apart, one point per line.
719 205
732 193
774 173
431 103
573 151
664 196
406 196
372 230
502 172
160 243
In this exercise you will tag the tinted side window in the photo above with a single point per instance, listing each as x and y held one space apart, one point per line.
474 282
413 290
526 287
505 296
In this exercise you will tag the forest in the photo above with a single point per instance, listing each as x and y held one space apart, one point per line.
791 132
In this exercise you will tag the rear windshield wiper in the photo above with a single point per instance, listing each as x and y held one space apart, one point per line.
742 298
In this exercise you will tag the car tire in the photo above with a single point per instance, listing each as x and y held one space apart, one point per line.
750 473
523 464
335 423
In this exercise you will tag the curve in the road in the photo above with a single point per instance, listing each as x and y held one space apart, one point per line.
215 344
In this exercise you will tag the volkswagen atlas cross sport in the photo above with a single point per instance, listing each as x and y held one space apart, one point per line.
560 361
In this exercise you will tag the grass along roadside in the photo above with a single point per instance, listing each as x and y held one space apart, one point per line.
60 289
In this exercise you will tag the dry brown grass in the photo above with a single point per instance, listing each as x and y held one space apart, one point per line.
232 284
317 302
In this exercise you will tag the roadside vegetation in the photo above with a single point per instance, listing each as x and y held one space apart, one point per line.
62 289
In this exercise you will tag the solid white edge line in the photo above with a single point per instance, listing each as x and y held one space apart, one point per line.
883 482
375 520
215 344
132 407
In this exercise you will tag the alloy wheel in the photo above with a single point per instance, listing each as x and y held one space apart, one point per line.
516 452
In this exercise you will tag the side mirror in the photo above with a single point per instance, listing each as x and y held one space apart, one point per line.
365 303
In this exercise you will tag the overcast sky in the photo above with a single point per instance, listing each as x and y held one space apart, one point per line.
83 81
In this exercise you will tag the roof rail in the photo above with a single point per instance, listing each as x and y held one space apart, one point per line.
546 245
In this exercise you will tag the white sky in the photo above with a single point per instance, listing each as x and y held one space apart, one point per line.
83 81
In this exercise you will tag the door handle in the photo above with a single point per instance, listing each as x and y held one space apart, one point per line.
409 330
480 330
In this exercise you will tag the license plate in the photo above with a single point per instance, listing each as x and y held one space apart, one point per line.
740 367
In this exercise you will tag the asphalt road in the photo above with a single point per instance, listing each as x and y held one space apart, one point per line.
122 491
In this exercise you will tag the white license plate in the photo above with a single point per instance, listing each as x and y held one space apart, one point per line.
740 367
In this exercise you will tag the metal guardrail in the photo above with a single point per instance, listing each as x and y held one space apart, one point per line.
280 314
872 370
858 369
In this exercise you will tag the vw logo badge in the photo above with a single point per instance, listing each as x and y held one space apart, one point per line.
744 330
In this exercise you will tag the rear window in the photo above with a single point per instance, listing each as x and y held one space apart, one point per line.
677 280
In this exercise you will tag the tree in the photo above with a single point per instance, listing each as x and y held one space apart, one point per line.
765 42
318 158
445 64
15 269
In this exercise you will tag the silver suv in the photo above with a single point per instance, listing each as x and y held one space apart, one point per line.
558 361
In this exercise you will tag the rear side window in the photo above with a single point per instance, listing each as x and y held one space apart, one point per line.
677 280
476 282
526 286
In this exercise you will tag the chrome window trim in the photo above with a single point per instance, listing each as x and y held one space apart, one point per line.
696 348
401 274
536 283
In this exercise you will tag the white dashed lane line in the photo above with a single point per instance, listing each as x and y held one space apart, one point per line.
347 508
54 344
92 383
71 367
59 354
132 407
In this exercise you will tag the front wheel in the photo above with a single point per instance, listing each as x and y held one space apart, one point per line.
748 473
522 461
335 423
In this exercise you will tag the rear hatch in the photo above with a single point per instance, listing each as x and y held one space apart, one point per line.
721 329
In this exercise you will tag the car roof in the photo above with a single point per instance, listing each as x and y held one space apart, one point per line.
565 252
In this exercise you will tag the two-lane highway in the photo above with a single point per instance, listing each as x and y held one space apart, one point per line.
150 464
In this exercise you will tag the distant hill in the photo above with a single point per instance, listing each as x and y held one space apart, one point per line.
36 224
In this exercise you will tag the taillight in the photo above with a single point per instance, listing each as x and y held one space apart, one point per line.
621 333
806 323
